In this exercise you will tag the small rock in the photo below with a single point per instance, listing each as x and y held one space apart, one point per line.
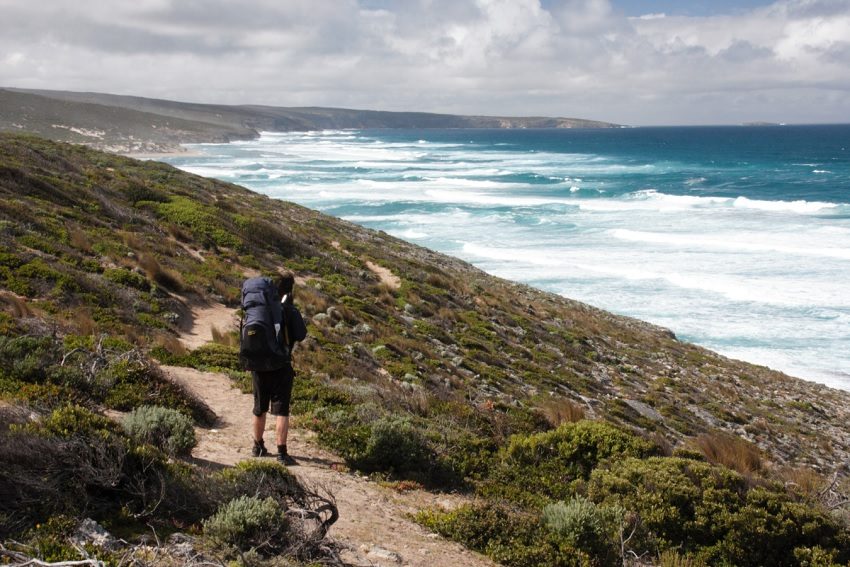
379 553
645 410
90 532
333 313
362 329
319 317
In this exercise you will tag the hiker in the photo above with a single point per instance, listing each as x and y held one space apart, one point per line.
267 353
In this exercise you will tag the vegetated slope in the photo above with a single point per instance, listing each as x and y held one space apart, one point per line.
427 378
109 127
125 242
126 123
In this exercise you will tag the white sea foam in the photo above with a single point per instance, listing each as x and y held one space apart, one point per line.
737 242
799 207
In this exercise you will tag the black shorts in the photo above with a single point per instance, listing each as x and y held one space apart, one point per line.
273 390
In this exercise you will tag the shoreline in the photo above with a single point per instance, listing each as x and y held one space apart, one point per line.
161 154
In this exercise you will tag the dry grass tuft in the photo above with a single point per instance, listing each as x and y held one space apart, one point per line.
226 338
172 344
16 305
84 323
230 294
165 277
79 239
132 241
730 451
561 410
310 300
672 558
804 481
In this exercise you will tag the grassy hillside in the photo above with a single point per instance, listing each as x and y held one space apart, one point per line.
547 408
108 127
134 124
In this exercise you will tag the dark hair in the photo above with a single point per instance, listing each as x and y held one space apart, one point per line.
285 282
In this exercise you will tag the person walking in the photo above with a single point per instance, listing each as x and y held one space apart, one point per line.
273 381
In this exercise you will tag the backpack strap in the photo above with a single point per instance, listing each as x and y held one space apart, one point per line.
284 326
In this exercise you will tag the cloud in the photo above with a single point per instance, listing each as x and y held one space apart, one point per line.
784 62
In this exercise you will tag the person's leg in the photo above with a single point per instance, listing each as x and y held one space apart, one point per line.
259 427
261 406
282 429
280 408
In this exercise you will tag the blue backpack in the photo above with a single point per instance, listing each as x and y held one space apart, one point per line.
263 344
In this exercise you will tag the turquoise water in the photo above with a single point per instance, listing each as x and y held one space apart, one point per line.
735 238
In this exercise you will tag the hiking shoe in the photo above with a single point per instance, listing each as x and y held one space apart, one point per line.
259 449
286 459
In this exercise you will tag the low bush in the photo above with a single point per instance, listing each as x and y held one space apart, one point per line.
396 446
49 540
248 523
208 356
708 511
164 428
508 534
127 278
536 469
262 479
587 526
70 462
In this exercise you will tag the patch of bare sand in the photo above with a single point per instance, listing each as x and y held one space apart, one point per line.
385 274
374 524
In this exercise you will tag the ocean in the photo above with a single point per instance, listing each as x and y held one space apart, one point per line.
735 238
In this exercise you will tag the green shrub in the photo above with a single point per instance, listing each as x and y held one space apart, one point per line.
708 511
340 430
205 222
164 428
397 447
248 523
586 526
25 358
49 540
214 355
208 356
263 479
75 421
128 384
127 278
548 466
509 535
70 462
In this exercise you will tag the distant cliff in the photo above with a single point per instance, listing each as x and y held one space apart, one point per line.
134 124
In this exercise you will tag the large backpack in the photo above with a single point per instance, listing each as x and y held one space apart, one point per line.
260 347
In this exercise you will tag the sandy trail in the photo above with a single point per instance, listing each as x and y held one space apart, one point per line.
374 524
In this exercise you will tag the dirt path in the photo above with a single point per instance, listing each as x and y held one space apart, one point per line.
374 524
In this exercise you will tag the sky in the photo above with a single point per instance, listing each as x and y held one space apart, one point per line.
625 61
